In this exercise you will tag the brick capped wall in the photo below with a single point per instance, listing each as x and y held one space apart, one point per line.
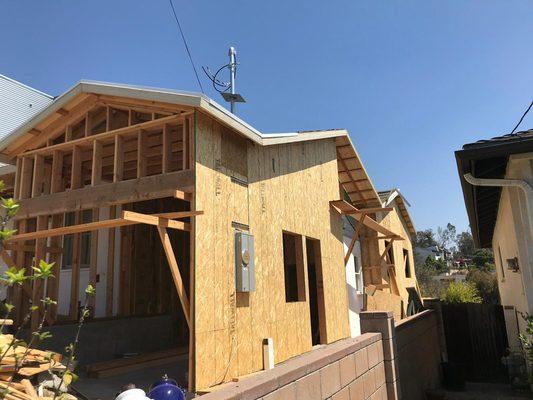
350 369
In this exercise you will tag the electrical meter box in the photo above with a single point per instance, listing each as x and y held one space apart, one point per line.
244 262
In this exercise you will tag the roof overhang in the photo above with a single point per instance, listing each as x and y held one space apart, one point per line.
396 196
486 160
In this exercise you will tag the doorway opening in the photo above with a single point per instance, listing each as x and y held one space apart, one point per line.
317 308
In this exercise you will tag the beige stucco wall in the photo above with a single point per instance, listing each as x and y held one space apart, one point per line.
513 238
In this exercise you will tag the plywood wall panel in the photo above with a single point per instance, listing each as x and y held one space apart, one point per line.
289 188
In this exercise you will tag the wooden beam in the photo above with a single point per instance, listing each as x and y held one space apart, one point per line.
110 273
127 218
344 207
18 174
178 214
174 270
62 112
352 243
185 141
372 210
56 257
96 170
177 184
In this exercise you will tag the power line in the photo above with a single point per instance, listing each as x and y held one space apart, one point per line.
521 119
186 45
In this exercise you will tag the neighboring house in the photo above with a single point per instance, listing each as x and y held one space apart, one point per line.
497 177
196 229
453 275
436 253
18 103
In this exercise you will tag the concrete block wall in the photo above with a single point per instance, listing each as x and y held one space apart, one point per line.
350 369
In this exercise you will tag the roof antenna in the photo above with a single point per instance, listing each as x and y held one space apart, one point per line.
227 89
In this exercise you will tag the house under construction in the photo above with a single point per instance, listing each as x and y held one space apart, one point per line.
191 222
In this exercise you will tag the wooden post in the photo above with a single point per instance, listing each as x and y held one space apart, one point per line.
88 124
56 258
56 184
75 271
110 274
26 177
76 178
141 154
185 144
167 149
38 174
118 159
96 170
38 284
18 174
94 258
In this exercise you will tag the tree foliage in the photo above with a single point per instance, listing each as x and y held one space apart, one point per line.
446 237
425 238
486 284
461 292
465 244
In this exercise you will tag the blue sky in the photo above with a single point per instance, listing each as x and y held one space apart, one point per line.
411 80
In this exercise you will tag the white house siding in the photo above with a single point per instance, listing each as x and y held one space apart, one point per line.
18 103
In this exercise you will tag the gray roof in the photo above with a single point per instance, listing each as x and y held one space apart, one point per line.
504 139
18 103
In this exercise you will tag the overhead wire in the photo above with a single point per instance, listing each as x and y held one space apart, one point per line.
522 118
186 45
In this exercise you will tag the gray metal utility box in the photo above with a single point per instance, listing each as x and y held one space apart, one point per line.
244 262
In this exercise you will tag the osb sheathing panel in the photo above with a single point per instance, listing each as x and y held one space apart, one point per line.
395 223
289 188
385 301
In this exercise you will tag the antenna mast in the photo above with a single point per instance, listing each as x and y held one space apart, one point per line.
227 90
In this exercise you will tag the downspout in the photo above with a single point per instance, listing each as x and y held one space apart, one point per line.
526 187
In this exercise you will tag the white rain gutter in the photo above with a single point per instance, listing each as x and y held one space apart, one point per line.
526 187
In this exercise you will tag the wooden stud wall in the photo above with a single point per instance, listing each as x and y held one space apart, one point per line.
289 188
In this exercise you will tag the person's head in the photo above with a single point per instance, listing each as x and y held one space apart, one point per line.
128 386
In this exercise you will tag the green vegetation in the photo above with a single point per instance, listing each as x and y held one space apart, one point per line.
460 292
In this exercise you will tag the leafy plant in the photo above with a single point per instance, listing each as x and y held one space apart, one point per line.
460 292
527 341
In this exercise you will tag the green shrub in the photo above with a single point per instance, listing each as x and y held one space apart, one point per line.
460 292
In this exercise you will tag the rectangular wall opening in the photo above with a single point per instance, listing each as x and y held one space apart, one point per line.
293 267
317 308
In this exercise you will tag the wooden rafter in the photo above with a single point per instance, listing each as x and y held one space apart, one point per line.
352 243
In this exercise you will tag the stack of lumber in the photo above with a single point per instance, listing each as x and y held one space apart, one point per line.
18 366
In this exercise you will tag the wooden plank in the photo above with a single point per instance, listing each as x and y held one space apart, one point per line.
174 270
192 270
352 243
118 164
76 177
110 273
75 271
178 214
177 184
167 149
94 257
96 170
185 140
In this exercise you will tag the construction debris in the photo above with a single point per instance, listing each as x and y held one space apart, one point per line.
24 371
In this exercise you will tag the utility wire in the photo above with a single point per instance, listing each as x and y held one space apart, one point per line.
521 119
186 45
